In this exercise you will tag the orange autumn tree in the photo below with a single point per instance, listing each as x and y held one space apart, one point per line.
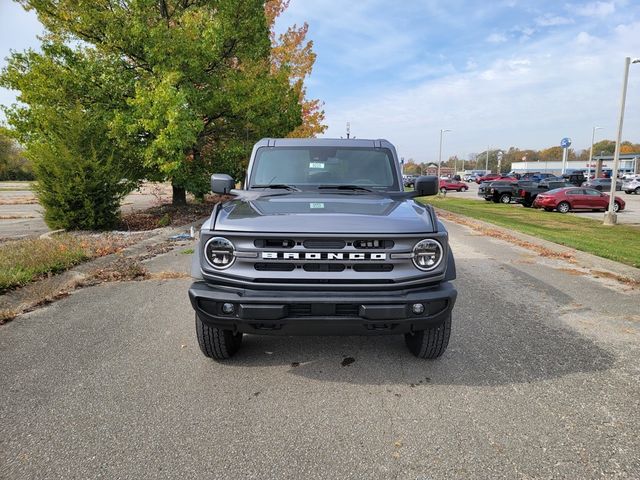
292 50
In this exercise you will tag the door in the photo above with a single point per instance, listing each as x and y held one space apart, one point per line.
595 199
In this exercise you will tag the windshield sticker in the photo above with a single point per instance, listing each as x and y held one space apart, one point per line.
316 205
316 165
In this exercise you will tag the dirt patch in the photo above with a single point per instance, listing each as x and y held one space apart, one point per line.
19 201
614 276
167 215
572 271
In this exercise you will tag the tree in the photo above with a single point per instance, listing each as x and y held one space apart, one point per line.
604 147
411 168
291 51
203 89
13 164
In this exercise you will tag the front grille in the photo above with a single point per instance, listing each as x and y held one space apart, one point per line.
274 267
320 243
373 267
323 267
369 244
274 243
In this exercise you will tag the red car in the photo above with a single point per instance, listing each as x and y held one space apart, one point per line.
571 198
449 184
492 177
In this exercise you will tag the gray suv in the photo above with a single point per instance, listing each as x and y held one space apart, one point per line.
322 240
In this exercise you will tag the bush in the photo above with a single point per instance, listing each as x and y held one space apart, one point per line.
80 181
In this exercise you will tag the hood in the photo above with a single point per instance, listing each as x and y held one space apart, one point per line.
302 212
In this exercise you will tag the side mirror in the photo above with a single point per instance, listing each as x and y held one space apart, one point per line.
222 183
426 185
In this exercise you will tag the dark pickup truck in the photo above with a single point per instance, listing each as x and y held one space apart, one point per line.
526 192
498 191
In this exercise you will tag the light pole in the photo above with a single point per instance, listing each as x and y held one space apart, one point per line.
486 163
442 131
610 217
593 135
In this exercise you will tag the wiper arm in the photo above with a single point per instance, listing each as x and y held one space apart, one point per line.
279 186
344 187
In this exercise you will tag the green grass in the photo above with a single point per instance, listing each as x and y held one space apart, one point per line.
22 261
620 243
188 251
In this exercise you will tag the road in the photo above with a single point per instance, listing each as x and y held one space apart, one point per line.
541 380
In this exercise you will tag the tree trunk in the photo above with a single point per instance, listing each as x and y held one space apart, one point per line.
179 195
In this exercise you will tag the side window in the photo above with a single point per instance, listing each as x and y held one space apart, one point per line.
575 191
594 193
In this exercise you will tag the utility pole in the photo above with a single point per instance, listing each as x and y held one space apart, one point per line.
348 129
440 151
610 217
593 135
486 163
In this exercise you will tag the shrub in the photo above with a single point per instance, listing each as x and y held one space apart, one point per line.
80 181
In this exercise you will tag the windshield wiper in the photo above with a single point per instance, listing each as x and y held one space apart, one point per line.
344 187
279 186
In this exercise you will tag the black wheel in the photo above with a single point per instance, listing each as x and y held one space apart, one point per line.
527 204
429 343
637 190
563 207
443 190
505 198
215 342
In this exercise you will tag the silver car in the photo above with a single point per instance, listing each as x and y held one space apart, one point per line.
632 186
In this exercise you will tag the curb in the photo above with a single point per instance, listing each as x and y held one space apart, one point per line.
49 289
582 259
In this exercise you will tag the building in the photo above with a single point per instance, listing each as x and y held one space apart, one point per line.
629 163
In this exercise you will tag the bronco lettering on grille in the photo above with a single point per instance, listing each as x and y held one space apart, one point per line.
322 256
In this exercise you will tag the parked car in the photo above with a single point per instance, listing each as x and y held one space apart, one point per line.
631 176
452 184
500 191
576 178
566 199
632 186
409 180
526 192
602 184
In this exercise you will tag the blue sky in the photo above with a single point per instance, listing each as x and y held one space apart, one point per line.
501 73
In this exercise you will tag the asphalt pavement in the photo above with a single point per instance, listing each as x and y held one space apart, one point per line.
541 380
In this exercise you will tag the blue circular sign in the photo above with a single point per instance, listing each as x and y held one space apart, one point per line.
565 142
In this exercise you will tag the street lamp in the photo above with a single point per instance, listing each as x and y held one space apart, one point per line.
610 217
440 151
593 135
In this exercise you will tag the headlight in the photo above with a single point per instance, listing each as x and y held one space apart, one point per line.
219 253
427 254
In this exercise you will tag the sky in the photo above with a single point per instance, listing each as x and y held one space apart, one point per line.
498 74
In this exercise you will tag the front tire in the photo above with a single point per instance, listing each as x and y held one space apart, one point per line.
505 198
563 207
429 343
443 190
616 206
217 343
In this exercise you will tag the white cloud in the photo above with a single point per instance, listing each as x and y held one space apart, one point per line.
496 38
593 9
583 38
532 99
552 21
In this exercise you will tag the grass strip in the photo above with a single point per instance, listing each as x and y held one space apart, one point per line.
26 260
620 243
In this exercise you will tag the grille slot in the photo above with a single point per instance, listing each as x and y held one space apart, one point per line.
299 310
274 267
320 243
323 267
373 244
274 243
373 267
347 309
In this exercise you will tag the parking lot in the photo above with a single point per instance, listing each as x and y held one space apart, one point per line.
630 215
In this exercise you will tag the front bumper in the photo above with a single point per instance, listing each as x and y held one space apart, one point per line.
324 313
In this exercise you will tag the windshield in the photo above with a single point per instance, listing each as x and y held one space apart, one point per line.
311 167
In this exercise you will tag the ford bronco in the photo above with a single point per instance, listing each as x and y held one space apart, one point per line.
323 240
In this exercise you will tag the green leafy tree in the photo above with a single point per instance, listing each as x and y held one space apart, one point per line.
203 88
13 164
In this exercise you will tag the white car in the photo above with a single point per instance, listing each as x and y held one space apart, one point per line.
630 176
632 186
